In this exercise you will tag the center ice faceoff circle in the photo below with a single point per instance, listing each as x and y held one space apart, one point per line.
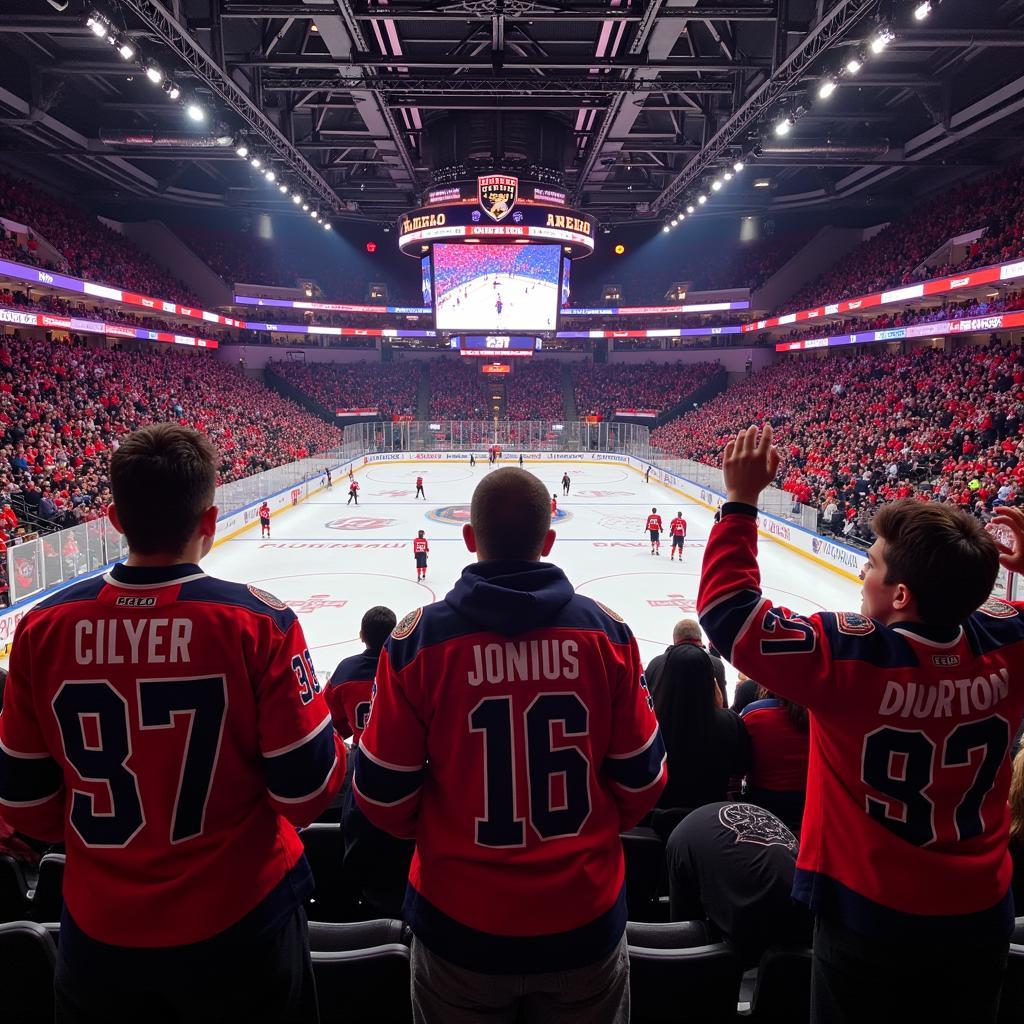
458 515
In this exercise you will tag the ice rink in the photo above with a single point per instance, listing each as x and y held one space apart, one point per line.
331 561
527 304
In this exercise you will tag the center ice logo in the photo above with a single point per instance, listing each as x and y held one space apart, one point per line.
684 604
458 515
360 523
313 603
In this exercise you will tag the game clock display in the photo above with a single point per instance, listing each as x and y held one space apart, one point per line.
490 344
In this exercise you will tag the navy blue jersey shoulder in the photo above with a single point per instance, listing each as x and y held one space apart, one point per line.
855 637
86 590
768 704
434 624
587 614
996 624
211 590
357 668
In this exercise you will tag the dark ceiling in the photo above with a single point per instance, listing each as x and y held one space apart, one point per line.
634 104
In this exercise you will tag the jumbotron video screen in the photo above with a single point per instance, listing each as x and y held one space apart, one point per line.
496 287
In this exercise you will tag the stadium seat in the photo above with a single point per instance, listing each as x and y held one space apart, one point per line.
782 992
332 899
676 975
12 890
645 868
362 971
48 898
27 961
1011 1001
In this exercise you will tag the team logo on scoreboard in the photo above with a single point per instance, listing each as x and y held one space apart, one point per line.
497 194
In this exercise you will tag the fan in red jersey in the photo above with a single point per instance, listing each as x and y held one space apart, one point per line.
653 527
913 701
677 531
420 550
264 511
168 727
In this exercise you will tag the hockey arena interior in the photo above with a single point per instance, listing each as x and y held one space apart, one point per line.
520 681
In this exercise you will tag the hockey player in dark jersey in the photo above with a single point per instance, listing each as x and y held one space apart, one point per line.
565 483
913 702
169 728
512 736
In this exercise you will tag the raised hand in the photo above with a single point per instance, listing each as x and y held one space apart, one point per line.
749 464
1011 520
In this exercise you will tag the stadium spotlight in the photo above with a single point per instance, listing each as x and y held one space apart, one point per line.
269 175
922 10
727 175
675 221
665 227
154 74
173 92
881 41
716 185
327 227
853 65
305 207
283 189
195 112
242 150
256 162
690 208
296 198
126 50
682 217
314 214
702 199
738 166
782 127
826 88
98 28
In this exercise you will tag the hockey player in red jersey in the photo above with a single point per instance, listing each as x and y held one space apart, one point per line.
264 511
420 550
677 531
653 527
512 735
353 492
169 728
420 493
554 505
913 701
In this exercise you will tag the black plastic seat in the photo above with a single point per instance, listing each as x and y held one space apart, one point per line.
676 975
325 849
48 898
362 971
645 865
27 961
782 992
13 891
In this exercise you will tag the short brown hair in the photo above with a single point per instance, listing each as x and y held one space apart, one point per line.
510 514
163 478
941 554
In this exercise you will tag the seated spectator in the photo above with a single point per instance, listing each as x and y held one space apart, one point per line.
744 694
732 864
707 745
779 741
685 631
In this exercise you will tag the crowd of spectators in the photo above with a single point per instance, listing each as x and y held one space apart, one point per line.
91 250
387 387
897 254
533 390
64 407
601 388
856 431
458 390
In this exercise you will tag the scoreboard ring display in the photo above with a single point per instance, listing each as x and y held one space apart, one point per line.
497 208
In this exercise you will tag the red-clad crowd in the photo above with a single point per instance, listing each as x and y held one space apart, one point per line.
458 390
391 388
533 391
92 250
854 431
896 255
64 407
601 388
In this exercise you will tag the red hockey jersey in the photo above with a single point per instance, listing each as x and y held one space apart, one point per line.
906 821
348 693
420 546
169 728
513 736
653 523
677 528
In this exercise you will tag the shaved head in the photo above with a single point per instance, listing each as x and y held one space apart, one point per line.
510 515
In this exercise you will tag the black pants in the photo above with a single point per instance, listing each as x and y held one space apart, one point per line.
269 980
884 981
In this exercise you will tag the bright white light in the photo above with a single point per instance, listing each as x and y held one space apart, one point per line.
269 175
283 189
305 207
881 41
702 199
665 228
682 217
716 185
782 128
126 50
827 88
738 166
154 74
98 28
922 10
327 227
243 151
314 214
256 162
173 93
223 140
675 221
195 112
690 208
853 66
296 199
762 183
727 175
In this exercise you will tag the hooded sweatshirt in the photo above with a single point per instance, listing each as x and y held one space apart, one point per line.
512 735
